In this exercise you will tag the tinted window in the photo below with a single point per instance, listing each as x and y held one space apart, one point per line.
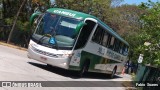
84 34
105 39
102 37
125 50
116 45
111 45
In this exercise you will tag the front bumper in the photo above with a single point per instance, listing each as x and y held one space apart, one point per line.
58 62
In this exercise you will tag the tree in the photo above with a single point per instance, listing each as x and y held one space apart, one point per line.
28 8
150 33
129 19
100 8
20 25
129 26
40 5
10 34
1 9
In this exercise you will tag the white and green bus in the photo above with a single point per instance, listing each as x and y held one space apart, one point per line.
76 41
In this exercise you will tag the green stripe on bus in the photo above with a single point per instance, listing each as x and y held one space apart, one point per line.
94 59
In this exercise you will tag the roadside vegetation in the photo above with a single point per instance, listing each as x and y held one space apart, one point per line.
137 24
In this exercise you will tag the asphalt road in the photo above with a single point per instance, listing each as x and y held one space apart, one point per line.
15 66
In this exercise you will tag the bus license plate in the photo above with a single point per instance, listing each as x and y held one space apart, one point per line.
43 58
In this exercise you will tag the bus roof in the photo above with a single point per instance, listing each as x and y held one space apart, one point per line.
69 13
80 15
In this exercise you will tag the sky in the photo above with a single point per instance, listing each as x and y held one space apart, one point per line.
130 1
52 1
137 2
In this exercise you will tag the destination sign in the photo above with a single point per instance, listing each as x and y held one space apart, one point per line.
64 12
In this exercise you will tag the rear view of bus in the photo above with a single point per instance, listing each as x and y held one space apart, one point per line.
54 37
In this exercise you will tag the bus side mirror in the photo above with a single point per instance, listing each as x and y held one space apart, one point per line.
34 16
79 26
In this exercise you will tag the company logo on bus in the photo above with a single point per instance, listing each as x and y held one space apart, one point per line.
65 13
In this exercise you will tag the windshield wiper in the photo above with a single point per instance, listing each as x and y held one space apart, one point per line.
50 36
45 35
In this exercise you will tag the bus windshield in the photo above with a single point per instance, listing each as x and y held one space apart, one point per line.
56 31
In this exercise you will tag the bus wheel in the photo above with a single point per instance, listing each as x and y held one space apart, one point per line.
49 66
84 69
113 73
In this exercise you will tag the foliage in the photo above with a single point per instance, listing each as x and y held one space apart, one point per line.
129 19
9 9
100 8
40 5
150 33
123 19
130 27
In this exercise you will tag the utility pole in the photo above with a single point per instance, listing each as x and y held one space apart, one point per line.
15 21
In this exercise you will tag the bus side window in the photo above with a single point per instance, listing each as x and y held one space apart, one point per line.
116 45
105 39
111 42
84 34
98 36
125 50
108 40
121 48
102 36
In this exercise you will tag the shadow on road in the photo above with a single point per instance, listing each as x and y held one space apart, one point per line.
72 74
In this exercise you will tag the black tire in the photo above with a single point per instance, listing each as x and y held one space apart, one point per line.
49 66
84 69
113 73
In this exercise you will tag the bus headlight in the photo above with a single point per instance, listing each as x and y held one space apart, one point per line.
68 55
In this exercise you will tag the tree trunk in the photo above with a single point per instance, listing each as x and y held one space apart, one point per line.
3 9
15 21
